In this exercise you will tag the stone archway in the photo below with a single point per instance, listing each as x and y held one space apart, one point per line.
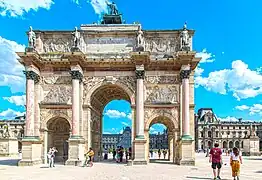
171 135
99 98
58 135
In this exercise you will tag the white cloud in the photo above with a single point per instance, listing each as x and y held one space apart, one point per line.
115 114
99 6
198 71
107 133
229 118
10 69
242 107
129 116
10 114
255 109
205 56
125 124
240 80
16 8
17 100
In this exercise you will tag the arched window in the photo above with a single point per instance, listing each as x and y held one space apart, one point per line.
224 144
237 144
230 144
209 134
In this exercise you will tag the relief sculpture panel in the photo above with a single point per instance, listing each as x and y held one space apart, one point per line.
162 79
57 45
162 94
57 94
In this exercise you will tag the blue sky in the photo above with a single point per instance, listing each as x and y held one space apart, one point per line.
228 38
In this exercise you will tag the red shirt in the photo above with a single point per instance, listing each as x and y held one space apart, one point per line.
216 154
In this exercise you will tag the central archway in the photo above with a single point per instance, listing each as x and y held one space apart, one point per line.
98 100
58 135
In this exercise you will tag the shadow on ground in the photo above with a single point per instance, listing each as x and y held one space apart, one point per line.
9 162
160 161
194 177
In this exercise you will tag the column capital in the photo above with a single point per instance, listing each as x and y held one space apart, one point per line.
184 74
140 74
75 74
32 75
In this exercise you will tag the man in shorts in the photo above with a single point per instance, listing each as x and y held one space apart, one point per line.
216 160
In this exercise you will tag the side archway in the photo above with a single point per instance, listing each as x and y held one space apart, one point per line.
166 120
58 134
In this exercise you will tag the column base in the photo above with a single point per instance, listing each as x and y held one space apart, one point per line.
187 137
76 151
186 152
31 151
139 152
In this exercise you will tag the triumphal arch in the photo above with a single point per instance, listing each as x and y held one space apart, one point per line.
71 76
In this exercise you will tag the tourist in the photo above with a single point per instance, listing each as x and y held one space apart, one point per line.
121 152
216 160
114 154
126 154
151 153
89 157
106 154
165 153
130 152
235 161
159 153
51 156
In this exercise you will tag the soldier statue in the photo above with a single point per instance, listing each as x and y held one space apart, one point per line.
76 39
140 42
31 38
6 131
112 8
184 39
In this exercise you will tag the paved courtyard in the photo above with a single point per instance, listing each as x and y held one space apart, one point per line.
159 170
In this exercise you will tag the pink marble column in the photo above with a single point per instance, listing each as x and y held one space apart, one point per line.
140 75
185 74
31 79
76 78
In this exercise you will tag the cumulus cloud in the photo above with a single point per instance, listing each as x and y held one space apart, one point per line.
99 6
16 8
125 124
240 80
255 109
17 100
229 118
206 57
115 114
10 69
10 114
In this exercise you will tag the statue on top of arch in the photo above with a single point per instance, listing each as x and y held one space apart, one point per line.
112 8
184 39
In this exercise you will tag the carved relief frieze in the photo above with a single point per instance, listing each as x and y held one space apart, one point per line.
3 148
162 94
129 81
161 45
57 79
57 45
162 79
58 94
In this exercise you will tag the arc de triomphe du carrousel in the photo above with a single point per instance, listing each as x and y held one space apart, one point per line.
71 76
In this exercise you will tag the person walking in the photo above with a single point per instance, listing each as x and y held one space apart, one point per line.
216 160
89 156
235 161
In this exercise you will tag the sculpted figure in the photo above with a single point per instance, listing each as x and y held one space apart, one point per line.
31 38
76 39
6 131
184 39
140 43
112 8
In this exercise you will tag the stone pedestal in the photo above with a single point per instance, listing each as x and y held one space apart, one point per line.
186 154
139 146
76 151
8 147
31 151
254 146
